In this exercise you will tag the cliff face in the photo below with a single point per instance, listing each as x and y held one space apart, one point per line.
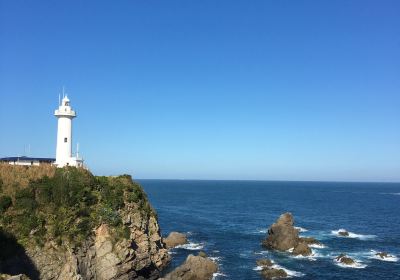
111 232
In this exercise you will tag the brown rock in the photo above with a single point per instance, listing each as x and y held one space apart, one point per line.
264 262
194 268
282 235
202 254
343 233
273 273
309 241
345 259
302 249
382 255
174 239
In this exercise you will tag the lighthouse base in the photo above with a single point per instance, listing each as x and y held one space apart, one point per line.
72 161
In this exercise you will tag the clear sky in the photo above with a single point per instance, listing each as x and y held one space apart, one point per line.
210 89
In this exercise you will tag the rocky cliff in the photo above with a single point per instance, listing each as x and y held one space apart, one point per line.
70 224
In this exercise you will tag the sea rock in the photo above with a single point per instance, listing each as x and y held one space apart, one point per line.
342 258
273 273
343 233
309 241
383 255
282 235
202 254
194 268
264 263
302 249
174 239
269 271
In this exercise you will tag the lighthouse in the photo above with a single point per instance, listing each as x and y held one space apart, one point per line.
64 156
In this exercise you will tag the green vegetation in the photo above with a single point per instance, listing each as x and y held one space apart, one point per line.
5 203
67 206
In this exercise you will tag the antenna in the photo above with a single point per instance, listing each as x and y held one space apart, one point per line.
77 150
59 99
63 92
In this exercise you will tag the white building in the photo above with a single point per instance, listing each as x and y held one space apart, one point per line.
23 160
64 157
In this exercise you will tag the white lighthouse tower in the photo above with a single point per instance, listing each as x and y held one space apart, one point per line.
65 114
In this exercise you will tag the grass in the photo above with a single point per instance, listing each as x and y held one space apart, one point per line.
43 203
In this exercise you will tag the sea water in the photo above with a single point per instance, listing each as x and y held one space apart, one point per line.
229 219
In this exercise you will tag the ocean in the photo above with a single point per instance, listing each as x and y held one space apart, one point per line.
229 219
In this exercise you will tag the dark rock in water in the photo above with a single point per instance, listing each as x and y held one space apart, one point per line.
302 249
174 239
268 271
345 259
194 268
343 233
273 273
309 241
282 235
202 254
264 262
383 255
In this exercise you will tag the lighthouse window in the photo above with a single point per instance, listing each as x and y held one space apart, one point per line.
65 140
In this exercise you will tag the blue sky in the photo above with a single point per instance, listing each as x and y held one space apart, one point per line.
274 90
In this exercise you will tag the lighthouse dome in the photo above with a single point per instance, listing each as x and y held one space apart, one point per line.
65 101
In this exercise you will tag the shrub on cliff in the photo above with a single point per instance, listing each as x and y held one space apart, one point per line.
68 205
5 203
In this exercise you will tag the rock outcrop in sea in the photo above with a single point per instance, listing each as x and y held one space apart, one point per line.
342 258
194 268
343 233
384 255
174 239
268 271
76 226
283 236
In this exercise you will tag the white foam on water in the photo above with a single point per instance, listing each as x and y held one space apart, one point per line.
352 234
261 231
313 257
290 250
389 258
317 246
215 259
258 268
388 193
217 275
191 246
261 253
301 229
290 273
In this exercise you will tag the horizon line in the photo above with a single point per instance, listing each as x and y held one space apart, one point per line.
272 180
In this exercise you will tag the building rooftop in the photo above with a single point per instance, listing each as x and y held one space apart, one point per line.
23 158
